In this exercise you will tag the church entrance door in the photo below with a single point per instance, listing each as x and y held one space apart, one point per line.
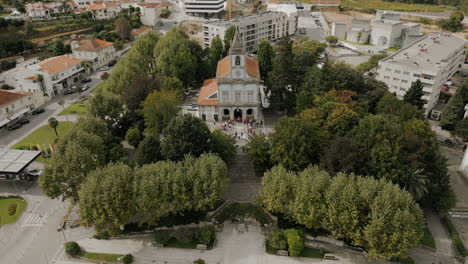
237 114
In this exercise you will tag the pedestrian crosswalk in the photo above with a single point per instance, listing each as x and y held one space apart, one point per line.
34 220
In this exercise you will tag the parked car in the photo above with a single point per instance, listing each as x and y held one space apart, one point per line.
24 121
15 126
38 111
112 63
87 80
105 68
85 87
68 91
34 172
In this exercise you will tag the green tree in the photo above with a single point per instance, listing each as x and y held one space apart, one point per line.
389 104
295 239
72 248
311 87
29 29
258 150
265 57
306 52
371 63
395 226
123 28
53 123
415 183
60 48
216 53
76 154
172 84
138 91
454 110
277 191
185 135
341 200
110 108
224 145
296 142
281 81
105 198
343 155
133 136
148 151
159 108
308 207
228 36
461 129
414 95
277 240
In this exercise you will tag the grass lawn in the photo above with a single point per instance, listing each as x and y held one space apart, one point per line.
313 252
43 135
380 4
427 239
392 49
455 236
100 256
79 108
4 204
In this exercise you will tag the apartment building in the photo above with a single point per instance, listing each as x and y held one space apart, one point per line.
203 8
433 59
270 26
104 10
97 51
150 12
14 105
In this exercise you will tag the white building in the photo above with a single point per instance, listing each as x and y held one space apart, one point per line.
58 73
150 12
270 26
97 51
104 10
82 4
14 105
235 93
464 165
203 8
433 59
43 11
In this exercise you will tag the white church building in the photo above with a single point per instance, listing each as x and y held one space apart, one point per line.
237 90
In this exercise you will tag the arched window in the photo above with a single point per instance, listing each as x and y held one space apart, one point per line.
237 60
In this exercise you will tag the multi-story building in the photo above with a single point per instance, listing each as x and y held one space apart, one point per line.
82 4
150 12
14 105
433 59
104 10
203 8
97 51
270 26
43 11
236 92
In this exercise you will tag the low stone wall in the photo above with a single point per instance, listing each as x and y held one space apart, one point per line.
325 239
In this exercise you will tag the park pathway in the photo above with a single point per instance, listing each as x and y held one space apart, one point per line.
243 184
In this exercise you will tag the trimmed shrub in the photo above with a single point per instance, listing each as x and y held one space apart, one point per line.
162 236
199 261
206 235
184 235
276 240
102 235
72 248
127 259
295 239
12 209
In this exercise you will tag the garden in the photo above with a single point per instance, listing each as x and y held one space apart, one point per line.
184 237
73 249
11 209
291 240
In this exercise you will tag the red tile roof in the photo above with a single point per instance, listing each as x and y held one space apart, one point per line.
93 44
58 64
224 67
10 97
209 87
140 30
95 6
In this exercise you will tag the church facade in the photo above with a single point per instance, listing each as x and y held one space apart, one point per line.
236 91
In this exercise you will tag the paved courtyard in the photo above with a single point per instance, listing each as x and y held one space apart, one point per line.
232 247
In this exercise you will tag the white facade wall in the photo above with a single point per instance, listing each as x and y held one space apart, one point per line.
203 7
99 58
107 13
464 164
82 4
399 77
385 34
339 29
